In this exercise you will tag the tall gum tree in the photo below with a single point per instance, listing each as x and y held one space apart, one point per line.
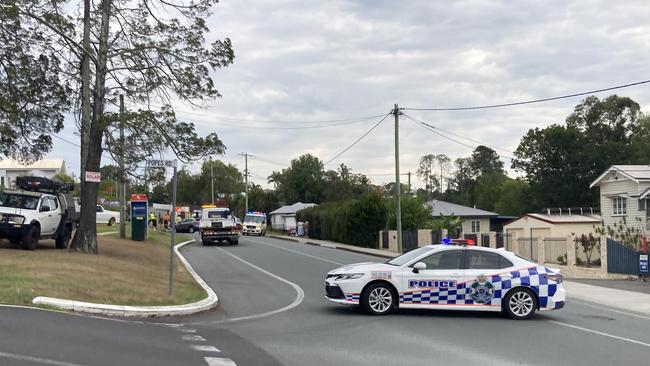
153 52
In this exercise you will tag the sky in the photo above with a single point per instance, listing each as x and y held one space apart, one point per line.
298 62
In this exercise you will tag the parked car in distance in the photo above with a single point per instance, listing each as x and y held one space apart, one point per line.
188 225
105 216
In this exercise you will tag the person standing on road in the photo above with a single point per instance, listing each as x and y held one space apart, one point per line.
301 229
306 228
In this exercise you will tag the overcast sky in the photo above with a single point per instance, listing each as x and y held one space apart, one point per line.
299 61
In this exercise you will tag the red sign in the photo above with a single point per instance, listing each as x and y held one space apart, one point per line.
94 177
138 197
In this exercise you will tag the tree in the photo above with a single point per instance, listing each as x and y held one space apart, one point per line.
342 184
303 181
415 214
425 171
33 97
451 223
514 198
488 190
485 160
462 184
150 51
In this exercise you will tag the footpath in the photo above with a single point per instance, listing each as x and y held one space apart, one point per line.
621 294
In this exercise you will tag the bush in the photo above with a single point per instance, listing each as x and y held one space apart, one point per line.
355 222
415 214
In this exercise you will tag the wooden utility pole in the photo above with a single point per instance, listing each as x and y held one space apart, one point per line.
121 176
398 188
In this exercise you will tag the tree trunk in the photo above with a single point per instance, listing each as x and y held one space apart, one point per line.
92 130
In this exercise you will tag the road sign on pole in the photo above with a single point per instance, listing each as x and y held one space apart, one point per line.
169 164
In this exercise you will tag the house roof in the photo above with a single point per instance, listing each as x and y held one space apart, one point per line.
292 209
645 194
447 208
561 219
636 173
10 164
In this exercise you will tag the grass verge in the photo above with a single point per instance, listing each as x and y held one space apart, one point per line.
124 273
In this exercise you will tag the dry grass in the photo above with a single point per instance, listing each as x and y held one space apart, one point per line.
124 273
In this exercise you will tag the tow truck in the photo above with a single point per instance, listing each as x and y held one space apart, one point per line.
217 224
40 208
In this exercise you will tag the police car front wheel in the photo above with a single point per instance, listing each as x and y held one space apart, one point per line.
378 299
520 304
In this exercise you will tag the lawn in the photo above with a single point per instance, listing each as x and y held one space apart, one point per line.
124 273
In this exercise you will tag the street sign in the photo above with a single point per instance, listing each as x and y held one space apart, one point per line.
93 177
643 264
155 163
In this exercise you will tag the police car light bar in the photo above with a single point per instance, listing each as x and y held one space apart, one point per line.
449 241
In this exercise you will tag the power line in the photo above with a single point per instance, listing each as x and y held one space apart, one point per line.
357 140
461 136
79 146
278 127
432 130
489 106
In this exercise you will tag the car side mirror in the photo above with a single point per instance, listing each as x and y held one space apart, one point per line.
417 267
45 208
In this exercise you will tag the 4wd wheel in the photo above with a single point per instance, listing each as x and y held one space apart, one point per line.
31 237
520 304
378 299
63 239
111 221
235 241
191 229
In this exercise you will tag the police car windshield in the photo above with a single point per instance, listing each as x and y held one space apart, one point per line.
407 257
254 219
18 201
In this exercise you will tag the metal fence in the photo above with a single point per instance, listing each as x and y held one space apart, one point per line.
555 250
485 240
622 259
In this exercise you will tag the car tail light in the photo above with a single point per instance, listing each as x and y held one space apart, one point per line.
555 277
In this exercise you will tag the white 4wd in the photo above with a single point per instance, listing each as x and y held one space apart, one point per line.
39 210
217 224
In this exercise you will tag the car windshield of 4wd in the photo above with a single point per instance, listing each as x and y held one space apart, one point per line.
254 219
18 201
218 214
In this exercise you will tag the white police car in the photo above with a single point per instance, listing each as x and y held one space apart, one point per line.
453 276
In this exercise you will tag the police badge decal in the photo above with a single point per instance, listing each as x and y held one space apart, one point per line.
481 290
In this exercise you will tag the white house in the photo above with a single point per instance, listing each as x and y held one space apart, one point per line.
10 169
624 193
475 221
284 218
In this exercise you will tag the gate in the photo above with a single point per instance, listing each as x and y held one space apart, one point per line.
436 236
621 259
485 240
384 239
501 239
409 240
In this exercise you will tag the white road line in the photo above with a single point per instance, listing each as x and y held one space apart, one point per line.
184 330
601 333
202 348
303 254
193 338
300 294
42 361
216 361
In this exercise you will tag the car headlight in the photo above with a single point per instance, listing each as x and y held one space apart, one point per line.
13 219
349 276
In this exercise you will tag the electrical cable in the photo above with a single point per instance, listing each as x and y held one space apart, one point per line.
357 140
207 123
490 106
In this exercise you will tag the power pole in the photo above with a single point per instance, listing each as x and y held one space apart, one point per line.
212 180
246 155
122 192
409 174
398 188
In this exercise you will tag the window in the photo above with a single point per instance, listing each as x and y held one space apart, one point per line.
408 256
642 205
486 260
476 226
448 259
620 206
2 182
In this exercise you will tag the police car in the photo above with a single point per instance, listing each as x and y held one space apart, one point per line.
455 275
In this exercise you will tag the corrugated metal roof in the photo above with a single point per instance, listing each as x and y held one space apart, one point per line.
447 208
561 219
633 172
10 164
292 209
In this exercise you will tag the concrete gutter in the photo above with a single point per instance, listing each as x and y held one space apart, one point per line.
140 311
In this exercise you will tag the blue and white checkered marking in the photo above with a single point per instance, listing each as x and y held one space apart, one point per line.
533 278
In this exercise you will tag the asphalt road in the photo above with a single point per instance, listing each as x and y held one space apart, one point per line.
272 312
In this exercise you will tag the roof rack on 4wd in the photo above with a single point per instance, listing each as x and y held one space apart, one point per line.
45 185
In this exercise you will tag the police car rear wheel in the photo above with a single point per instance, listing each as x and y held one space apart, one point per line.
378 299
520 304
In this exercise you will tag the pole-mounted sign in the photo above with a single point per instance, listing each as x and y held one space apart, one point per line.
153 163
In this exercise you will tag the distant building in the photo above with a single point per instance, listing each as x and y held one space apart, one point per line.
284 218
553 225
624 194
475 221
10 169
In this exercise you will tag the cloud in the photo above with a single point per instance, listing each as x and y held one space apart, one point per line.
300 61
